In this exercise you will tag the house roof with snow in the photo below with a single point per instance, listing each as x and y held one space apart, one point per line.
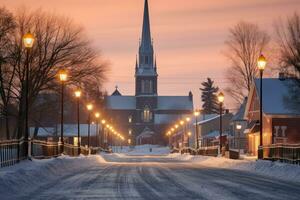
280 96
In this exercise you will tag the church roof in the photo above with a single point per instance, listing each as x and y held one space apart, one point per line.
116 92
120 102
168 118
163 103
174 103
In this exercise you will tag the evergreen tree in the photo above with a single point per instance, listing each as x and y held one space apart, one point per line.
209 97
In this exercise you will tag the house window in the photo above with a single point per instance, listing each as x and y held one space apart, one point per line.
130 119
147 115
146 59
130 132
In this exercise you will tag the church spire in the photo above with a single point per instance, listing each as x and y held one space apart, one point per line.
146 44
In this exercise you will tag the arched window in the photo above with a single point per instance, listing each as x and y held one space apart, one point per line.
147 86
147 115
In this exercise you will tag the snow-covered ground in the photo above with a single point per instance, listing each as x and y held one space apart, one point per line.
140 174
273 169
142 150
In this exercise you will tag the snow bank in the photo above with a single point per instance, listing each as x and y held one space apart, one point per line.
28 173
274 169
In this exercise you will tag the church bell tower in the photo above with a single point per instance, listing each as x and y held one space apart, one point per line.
146 77
145 69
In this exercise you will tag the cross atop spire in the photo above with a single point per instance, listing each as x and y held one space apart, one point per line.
146 43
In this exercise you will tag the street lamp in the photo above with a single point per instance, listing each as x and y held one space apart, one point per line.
97 115
261 64
28 40
169 137
239 127
188 139
63 78
196 114
78 95
221 100
183 132
89 108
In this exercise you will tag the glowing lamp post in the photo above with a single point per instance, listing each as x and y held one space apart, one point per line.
188 139
89 108
196 114
238 128
78 95
97 115
261 64
63 76
221 101
28 40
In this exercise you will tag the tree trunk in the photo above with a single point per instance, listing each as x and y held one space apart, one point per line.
6 123
21 119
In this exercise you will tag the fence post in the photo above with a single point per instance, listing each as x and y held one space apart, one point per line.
29 148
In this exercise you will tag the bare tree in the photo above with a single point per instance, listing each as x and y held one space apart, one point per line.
7 73
288 40
60 44
244 45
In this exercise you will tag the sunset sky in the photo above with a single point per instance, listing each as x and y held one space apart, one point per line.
188 35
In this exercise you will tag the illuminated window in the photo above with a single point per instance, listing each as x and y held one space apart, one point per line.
130 132
130 119
147 115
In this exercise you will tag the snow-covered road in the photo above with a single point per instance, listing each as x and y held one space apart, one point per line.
120 176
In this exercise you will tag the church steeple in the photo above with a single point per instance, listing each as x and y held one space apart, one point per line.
145 68
146 44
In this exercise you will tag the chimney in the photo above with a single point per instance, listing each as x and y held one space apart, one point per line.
281 76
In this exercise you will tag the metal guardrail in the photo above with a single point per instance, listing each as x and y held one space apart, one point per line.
288 153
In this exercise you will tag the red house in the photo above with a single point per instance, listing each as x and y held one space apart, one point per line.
281 113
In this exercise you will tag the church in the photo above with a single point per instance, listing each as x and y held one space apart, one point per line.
145 117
